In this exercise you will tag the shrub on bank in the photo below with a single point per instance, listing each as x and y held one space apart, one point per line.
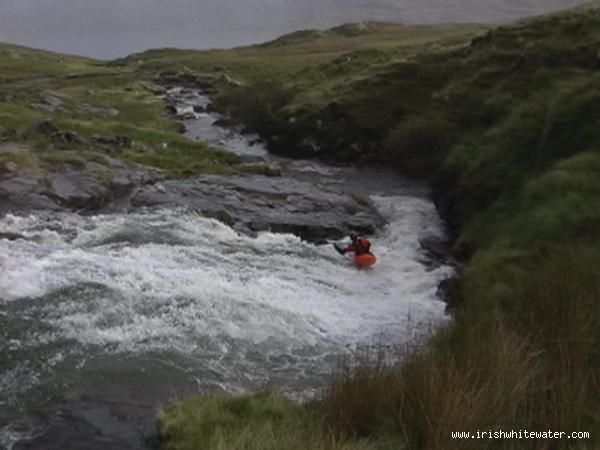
418 143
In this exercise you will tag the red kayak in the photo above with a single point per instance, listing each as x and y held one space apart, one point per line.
365 260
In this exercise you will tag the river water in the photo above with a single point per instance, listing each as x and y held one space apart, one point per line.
106 318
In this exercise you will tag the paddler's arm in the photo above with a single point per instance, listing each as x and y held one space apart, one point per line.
341 250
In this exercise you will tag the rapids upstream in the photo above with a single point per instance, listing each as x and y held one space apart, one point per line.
105 318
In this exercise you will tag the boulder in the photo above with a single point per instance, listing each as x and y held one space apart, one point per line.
12 236
77 190
257 203
83 189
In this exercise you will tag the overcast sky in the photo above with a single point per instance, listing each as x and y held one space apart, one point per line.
112 28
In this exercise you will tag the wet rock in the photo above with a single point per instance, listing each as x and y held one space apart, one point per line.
259 203
199 109
438 251
221 215
77 190
89 189
24 191
12 236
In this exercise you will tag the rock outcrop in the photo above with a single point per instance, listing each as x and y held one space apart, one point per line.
258 203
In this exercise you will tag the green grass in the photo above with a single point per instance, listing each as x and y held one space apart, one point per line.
184 158
255 422
205 419
96 99
57 160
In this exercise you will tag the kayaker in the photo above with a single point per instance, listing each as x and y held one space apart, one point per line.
359 246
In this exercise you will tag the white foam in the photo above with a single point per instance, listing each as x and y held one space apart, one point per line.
214 282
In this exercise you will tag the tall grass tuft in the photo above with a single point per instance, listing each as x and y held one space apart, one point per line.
355 401
428 394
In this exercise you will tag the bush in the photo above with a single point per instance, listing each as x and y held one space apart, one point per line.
256 105
419 142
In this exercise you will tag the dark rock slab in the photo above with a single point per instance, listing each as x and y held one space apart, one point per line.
12 236
87 190
258 203
24 191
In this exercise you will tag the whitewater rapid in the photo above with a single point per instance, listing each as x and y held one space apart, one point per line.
171 280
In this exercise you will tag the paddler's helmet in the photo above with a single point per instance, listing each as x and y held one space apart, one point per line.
353 237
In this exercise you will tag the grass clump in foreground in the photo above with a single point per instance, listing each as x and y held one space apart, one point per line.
257 422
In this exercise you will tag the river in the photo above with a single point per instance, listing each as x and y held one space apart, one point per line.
105 318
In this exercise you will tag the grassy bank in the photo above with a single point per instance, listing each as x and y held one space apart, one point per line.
505 125
50 103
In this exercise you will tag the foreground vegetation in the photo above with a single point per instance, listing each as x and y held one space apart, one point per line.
505 125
